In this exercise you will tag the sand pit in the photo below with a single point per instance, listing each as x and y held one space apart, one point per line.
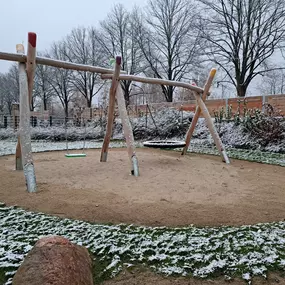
172 190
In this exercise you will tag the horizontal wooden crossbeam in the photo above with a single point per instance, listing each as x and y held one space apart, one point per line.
56 63
157 81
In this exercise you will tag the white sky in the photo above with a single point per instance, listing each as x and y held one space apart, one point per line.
51 20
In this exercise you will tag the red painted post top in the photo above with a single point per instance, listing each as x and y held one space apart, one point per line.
32 39
118 60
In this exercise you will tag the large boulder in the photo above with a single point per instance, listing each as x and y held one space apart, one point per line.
55 261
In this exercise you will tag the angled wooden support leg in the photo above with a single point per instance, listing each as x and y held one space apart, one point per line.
212 129
198 110
111 110
128 132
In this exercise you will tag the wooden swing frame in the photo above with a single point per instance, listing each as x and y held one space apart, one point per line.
27 66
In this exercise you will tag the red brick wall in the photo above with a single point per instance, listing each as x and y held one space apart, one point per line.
277 101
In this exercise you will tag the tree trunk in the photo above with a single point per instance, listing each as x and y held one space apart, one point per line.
127 97
45 102
45 105
126 88
241 90
169 94
89 105
66 110
10 109
89 102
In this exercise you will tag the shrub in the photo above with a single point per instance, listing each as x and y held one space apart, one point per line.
265 126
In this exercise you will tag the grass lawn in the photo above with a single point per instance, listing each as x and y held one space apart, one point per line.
244 252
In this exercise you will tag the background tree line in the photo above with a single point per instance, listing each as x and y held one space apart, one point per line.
169 39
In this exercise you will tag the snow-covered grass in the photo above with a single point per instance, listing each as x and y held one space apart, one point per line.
265 157
244 252
8 147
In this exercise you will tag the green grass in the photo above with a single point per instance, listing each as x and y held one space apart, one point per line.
248 155
187 252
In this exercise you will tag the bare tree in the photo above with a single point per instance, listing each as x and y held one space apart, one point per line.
168 40
241 35
273 82
9 88
61 79
117 37
42 87
82 47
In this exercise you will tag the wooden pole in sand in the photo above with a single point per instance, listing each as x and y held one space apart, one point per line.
24 129
198 110
212 129
201 108
31 64
111 109
128 132
18 155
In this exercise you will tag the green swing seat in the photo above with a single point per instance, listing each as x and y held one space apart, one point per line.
72 155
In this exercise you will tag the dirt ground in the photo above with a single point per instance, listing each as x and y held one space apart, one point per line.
172 190
146 278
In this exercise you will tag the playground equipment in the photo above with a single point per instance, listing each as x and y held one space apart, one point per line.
164 144
73 155
27 66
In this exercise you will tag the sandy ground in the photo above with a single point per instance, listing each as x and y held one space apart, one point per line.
172 190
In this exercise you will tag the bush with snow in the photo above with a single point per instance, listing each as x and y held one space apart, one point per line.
165 124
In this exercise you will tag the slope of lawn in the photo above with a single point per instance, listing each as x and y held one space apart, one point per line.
243 252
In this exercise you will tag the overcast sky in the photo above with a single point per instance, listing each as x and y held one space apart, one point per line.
51 20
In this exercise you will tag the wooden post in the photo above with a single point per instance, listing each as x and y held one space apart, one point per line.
202 108
111 109
18 154
198 111
24 128
146 115
128 132
31 63
212 128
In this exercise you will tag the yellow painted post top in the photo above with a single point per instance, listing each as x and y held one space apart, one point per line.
213 72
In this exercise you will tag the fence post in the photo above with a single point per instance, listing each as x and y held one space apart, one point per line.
5 122
227 106
146 115
50 121
263 102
